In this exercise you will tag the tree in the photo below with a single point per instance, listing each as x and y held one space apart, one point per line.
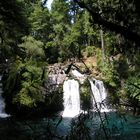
118 16
41 26
13 25
122 18
26 76
61 24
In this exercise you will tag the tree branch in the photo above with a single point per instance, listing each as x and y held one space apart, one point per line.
126 32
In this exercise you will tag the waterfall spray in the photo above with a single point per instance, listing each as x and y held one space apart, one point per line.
2 103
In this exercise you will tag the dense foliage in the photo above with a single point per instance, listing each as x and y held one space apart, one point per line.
31 36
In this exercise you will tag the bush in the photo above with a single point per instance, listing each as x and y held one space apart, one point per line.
89 51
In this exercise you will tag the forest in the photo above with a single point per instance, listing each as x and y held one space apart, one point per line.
101 38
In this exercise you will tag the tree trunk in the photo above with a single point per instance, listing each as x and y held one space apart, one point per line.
102 45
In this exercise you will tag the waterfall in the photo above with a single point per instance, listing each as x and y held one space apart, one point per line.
77 73
71 95
2 103
71 98
99 94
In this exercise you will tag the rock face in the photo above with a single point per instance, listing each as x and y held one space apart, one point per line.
56 77
59 73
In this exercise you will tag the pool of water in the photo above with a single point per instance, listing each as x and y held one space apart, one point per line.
116 127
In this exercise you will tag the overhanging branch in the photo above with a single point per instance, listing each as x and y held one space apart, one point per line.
124 31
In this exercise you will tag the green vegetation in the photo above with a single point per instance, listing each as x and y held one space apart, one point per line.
32 37
26 76
85 96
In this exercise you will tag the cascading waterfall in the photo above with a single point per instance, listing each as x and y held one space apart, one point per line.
71 95
71 98
2 104
99 94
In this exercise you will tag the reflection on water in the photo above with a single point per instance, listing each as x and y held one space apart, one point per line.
117 127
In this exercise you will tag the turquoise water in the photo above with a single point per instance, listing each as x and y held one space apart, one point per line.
117 127
124 127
